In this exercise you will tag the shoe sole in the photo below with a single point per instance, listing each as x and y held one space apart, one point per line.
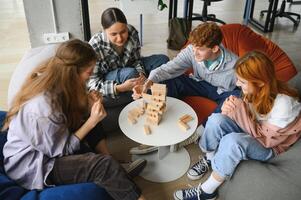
144 151
176 198
137 170
194 178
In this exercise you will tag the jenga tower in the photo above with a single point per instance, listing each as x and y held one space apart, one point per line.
156 104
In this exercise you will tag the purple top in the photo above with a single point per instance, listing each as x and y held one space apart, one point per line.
36 136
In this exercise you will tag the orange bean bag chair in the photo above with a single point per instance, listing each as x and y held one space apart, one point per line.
240 39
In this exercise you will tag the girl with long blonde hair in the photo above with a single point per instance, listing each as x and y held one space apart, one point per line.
49 118
262 124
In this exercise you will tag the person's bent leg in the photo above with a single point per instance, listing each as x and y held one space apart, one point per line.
234 148
103 170
182 86
217 127
96 139
126 73
153 61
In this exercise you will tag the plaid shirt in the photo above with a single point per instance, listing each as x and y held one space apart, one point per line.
109 60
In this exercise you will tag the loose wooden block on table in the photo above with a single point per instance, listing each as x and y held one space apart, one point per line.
183 126
147 129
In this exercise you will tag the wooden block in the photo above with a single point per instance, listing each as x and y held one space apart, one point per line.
152 113
147 97
183 126
144 105
135 112
158 86
152 121
186 118
159 98
157 104
141 110
147 130
132 120
153 107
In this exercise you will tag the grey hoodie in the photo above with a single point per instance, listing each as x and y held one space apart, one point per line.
224 78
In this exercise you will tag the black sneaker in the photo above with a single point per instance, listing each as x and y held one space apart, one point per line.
199 169
193 194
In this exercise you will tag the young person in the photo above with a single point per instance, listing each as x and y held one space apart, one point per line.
261 125
213 69
47 124
120 66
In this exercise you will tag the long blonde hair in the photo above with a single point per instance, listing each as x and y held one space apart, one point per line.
259 71
59 77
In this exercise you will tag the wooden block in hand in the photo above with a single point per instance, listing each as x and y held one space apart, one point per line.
147 130
183 126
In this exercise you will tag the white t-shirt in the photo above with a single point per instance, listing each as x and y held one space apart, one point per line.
284 111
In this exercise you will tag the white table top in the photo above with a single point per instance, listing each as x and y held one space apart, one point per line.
167 132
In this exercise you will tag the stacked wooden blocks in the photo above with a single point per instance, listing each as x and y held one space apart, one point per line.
156 104
153 105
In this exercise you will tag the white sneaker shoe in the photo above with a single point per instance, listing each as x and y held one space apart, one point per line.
192 139
143 149
134 168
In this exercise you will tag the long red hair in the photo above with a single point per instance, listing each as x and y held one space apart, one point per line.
259 71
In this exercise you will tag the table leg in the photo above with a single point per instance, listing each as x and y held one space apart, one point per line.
162 152
165 168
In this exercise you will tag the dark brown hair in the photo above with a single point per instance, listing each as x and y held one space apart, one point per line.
112 15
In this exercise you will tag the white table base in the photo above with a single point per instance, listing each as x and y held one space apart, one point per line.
170 167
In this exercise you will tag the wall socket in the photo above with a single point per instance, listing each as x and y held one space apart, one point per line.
56 37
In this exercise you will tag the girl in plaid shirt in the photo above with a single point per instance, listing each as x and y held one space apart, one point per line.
120 66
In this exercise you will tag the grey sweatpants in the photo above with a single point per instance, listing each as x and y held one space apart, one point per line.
101 169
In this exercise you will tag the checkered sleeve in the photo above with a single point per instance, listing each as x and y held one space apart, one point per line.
97 81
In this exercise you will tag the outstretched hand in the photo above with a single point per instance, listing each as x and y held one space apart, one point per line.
129 84
138 90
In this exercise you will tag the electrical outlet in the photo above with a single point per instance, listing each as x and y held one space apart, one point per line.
55 37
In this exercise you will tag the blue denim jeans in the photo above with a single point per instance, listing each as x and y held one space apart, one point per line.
120 75
182 86
230 144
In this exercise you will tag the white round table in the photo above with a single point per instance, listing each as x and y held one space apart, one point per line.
163 166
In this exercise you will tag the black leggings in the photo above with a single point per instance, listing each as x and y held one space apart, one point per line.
94 137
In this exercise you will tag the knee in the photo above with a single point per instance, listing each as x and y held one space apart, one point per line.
234 144
215 120
162 58
128 73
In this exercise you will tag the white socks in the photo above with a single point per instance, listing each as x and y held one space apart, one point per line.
210 185
210 155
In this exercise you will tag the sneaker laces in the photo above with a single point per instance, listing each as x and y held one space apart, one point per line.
192 191
201 166
198 190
